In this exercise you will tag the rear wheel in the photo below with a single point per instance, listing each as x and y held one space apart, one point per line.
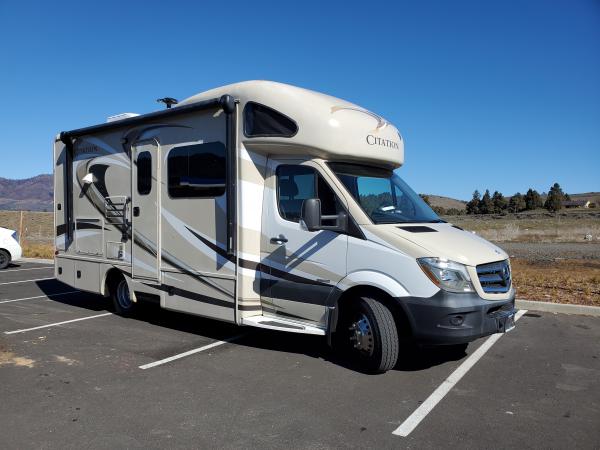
371 335
121 297
4 259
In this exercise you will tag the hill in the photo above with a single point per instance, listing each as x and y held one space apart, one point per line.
31 194
446 202
593 197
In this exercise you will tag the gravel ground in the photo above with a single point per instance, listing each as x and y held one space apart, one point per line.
551 251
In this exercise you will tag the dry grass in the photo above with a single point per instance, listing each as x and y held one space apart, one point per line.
37 239
36 250
561 281
37 226
532 229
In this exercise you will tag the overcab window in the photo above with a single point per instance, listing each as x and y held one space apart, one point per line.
197 170
262 121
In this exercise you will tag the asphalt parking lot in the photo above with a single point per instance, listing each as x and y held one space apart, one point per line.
73 375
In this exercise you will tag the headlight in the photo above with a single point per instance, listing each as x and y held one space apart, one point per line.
447 275
15 236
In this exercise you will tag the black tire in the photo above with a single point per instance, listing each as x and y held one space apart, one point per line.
457 349
375 346
4 259
121 298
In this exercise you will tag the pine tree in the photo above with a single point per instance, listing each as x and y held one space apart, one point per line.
499 202
517 203
473 204
555 198
485 205
533 200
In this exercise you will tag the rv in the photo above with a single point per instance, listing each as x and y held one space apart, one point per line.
267 205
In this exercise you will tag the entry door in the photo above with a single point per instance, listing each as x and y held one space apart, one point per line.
303 266
145 210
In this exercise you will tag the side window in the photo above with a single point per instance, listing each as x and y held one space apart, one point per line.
144 173
197 170
297 183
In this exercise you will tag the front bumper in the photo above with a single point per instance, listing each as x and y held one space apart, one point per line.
448 318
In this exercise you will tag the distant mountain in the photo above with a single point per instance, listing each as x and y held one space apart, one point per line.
31 194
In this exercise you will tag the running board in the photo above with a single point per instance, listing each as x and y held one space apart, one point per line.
276 323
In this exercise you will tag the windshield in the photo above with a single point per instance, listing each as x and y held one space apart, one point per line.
383 195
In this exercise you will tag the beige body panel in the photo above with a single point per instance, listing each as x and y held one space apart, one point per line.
328 127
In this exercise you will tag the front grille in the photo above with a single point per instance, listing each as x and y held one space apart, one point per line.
494 277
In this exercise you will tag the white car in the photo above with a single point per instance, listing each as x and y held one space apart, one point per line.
10 249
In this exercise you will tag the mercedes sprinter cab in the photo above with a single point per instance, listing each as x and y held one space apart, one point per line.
272 206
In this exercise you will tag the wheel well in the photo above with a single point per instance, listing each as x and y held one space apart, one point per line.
400 317
113 276
8 253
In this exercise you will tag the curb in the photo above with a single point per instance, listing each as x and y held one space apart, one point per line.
36 260
560 308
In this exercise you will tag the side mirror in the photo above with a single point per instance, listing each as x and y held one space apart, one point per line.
312 218
311 214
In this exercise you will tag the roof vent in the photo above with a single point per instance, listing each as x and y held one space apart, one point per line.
121 117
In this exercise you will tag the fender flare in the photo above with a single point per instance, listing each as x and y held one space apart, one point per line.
375 279
362 278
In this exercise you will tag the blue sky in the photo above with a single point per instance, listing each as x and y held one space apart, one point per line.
502 95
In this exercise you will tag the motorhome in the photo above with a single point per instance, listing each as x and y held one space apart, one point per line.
272 206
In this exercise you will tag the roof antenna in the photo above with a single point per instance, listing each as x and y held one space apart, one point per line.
169 101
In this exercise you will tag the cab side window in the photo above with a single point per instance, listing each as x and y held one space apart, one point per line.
297 183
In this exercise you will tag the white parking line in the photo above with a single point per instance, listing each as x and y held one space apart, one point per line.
58 323
190 352
27 281
38 296
31 268
425 408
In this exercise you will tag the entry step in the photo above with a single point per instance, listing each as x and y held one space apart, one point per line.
276 323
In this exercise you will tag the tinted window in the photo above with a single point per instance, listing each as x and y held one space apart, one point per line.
144 173
260 120
383 195
197 170
297 183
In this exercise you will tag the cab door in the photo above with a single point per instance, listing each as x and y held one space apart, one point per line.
145 210
301 267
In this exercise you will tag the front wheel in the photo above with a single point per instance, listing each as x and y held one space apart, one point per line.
121 297
372 337
4 259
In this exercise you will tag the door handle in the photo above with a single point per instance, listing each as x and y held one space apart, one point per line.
279 240
136 211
